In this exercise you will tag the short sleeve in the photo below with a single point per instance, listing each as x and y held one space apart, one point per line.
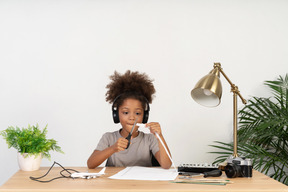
104 142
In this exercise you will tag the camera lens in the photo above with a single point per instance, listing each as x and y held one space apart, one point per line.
232 170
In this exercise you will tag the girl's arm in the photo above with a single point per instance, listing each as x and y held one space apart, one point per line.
161 155
98 157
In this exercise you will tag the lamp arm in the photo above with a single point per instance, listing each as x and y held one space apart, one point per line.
234 88
236 93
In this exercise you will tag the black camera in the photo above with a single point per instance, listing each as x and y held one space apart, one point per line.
238 167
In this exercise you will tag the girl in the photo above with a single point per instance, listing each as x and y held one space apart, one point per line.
130 95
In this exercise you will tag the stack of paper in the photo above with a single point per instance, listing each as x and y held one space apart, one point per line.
146 173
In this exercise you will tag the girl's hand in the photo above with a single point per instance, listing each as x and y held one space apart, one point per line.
154 128
120 144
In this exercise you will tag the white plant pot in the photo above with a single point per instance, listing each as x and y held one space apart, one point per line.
29 162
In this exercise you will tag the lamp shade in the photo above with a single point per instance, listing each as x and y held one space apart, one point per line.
208 90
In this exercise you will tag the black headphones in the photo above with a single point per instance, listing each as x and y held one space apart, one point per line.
115 112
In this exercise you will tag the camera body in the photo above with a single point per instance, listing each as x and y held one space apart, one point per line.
238 167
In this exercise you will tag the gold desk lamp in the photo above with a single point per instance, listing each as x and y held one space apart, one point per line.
208 92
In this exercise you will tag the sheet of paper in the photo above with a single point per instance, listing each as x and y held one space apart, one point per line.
146 173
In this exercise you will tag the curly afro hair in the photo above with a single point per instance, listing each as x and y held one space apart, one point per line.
130 85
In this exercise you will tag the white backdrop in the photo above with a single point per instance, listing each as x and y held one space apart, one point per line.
56 58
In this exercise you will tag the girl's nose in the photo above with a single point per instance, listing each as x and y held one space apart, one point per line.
132 117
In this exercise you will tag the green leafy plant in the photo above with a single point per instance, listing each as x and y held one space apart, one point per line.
263 133
30 140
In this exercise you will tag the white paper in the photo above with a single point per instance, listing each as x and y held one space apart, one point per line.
146 173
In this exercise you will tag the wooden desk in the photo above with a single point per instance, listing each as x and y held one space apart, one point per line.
21 182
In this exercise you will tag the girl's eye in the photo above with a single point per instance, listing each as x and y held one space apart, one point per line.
138 113
125 113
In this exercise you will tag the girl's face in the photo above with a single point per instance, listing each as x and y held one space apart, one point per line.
128 112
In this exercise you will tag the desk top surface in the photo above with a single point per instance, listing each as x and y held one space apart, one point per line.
20 181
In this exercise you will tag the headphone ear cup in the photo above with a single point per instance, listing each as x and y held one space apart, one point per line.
145 117
115 116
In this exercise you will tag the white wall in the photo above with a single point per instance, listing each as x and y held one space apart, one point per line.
56 57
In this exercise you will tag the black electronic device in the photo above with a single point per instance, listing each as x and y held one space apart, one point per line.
197 167
115 112
239 167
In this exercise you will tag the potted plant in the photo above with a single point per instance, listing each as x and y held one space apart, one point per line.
31 144
263 132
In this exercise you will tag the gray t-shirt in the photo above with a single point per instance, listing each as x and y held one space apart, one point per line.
138 153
